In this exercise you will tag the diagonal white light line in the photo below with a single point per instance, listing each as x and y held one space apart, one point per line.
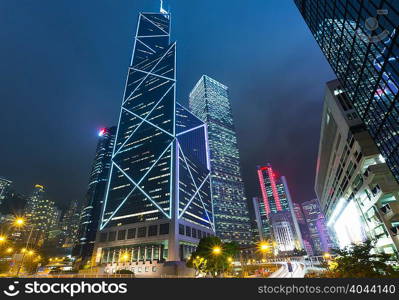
150 36
152 124
153 68
137 186
142 178
192 198
119 206
194 128
198 189
188 168
149 73
154 24
142 121
181 106
145 45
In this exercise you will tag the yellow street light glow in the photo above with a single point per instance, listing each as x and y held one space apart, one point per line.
327 255
23 250
31 252
2 238
9 250
19 221
216 250
263 246
230 259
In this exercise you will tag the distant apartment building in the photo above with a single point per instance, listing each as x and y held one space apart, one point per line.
358 194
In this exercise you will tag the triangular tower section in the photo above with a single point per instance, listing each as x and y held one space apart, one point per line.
161 21
149 27
185 120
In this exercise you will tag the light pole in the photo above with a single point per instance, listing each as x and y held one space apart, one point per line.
216 251
20 222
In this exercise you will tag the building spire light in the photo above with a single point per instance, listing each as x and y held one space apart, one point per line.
161 9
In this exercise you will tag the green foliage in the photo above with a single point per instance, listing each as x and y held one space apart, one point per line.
357 261
204 260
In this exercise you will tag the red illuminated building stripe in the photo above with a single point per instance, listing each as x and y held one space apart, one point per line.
274 188
264 194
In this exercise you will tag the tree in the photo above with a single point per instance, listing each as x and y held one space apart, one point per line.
357 261
212 256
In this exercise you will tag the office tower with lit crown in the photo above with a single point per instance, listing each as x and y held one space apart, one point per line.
158 201
94 198
209 101
360 41
358 193
317 227
279 211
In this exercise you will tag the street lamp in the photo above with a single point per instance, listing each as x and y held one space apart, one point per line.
216 250
3 238
19 221
9 250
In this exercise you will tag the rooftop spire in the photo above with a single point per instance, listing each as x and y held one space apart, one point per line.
162 10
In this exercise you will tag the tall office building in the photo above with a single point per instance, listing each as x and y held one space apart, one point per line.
358 193
158 200
303 227
262 219
4 186
209 101
70 224
317 227
94 198
360 41
42 216
278 208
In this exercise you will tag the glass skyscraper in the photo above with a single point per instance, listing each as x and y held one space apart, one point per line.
360 41
276 207
209 101
94 198
158 199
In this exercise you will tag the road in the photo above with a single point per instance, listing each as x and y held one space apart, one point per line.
298 271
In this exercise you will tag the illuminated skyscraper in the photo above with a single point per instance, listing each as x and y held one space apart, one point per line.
278 208
317 226
209 101
94 199
4 185
158 200
358 194
360 40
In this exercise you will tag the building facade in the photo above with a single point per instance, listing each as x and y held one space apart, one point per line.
94 198
209 100
357 192
303 227
360 41
158 201
42 216
317 227
4 186
276 206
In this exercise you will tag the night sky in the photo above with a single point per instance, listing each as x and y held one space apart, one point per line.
64 64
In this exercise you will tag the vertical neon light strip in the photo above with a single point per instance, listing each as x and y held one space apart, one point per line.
264 194
274 188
